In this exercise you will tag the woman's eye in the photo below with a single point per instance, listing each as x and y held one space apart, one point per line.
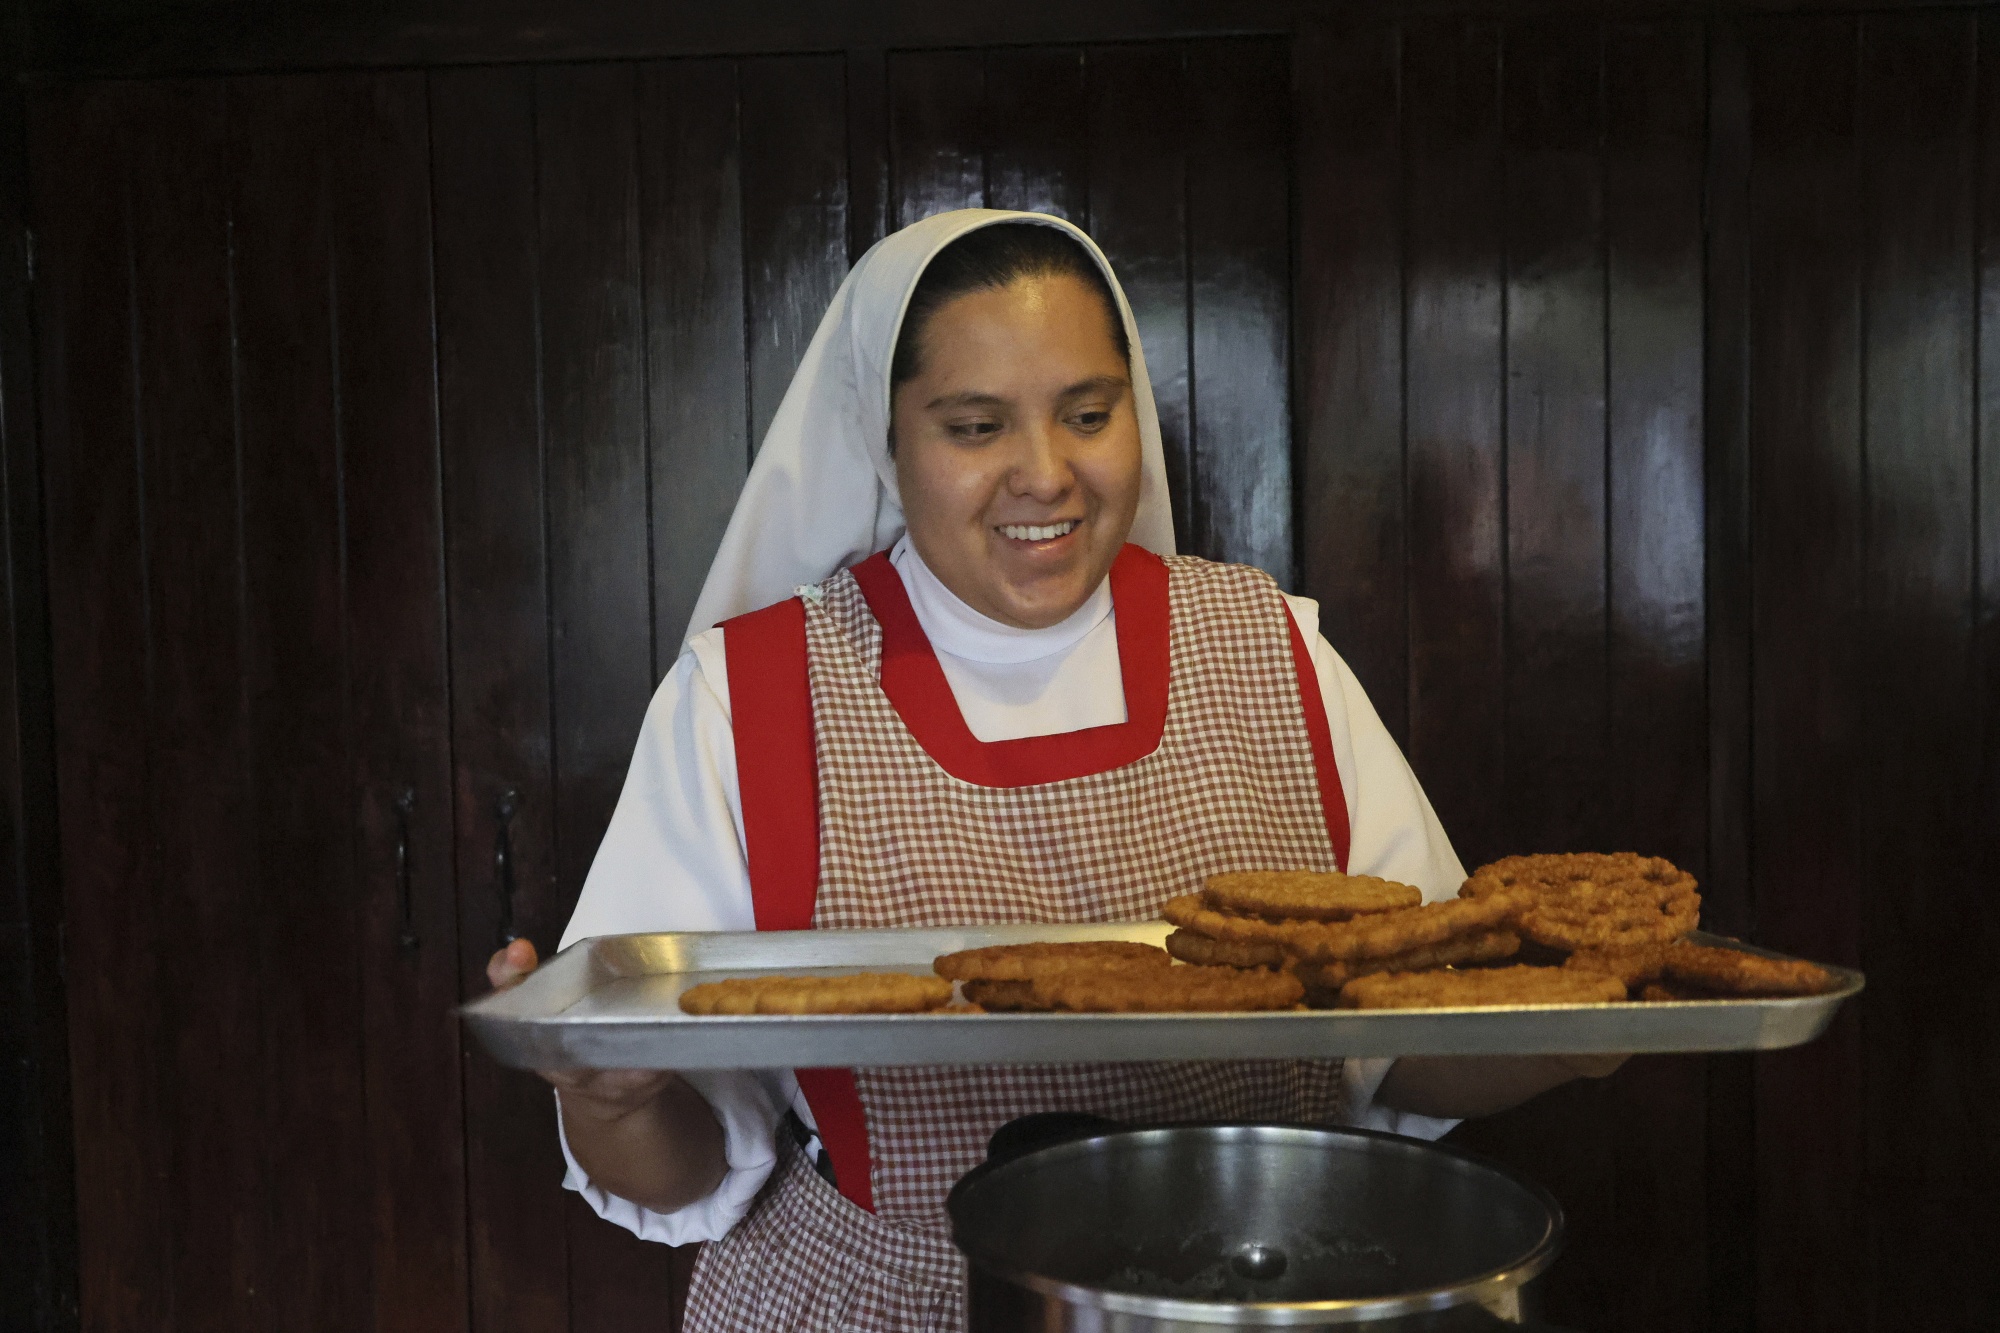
974 430
1092 420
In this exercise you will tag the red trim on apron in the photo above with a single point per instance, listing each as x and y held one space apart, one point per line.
916 685
777 777
1332 797
777 774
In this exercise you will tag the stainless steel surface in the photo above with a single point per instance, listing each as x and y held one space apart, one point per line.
1193 1227
614 1002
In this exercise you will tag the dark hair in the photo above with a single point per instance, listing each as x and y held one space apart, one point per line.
996 256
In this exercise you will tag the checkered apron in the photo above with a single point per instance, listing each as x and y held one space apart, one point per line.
1231 786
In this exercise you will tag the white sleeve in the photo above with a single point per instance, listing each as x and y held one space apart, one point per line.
672 859
1392 832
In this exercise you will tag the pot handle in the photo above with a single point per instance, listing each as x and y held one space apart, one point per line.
1044 1129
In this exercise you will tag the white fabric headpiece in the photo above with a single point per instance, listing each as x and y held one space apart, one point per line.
822 493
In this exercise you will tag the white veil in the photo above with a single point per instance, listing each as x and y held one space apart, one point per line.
822 493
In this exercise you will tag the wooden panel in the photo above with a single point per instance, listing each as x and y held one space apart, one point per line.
1726 899
297 603
1927 1182
1452 365
1556 703
1348 389
600 601
1038 158
1980 925
200 778
1806 513
868 214
1137 118
1557 710
1239 316
89 428
795 232
1654 120
937 133
397 700
691 217
489 388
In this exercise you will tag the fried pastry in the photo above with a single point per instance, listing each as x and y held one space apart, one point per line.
1189 947
1377 935
1479 986
1634 967
1324 980
1593 900
1734 972
1168 990
1020 962
1306 895
861 993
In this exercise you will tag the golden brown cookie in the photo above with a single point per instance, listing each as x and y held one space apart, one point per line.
1480 986
861 993
1306 895
1734 972
1205 952
1019 962
1168 990
1593 900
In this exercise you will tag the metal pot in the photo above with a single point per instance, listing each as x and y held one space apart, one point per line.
1076 1223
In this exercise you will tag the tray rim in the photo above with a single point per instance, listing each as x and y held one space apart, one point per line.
532 1022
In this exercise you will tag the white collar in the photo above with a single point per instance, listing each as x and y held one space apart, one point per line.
955 628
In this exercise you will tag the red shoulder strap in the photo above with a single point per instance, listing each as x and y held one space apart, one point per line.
1332 798
777 777
777 774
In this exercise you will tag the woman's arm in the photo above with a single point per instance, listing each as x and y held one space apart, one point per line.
673 1158
642 1134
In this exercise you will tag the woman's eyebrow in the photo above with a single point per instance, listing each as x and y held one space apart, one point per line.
1095 384
968 398
974 398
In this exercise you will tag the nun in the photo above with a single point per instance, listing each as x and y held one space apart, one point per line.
947 669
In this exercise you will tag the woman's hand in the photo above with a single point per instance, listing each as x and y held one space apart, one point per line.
642 1134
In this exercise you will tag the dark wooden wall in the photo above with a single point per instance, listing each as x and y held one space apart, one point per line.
1618 387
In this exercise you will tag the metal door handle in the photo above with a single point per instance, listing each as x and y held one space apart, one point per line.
406 804
503 863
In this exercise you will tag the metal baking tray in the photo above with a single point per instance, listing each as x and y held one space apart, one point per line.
614 1003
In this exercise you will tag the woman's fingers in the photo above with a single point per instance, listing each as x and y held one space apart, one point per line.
506 967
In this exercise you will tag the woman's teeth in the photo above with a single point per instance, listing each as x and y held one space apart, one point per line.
1024 533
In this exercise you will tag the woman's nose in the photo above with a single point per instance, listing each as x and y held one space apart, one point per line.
1043 471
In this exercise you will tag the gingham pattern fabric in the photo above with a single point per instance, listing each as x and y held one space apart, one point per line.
805 1260
1232 786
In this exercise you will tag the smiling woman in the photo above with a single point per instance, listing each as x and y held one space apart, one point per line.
1022 706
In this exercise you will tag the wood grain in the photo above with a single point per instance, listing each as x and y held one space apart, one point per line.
317 1207
398 704
186 469
1038 155
118 1027
489 416
1348 361
697 426
1806 465
1453 366
937 133
1916 129
795 228
1137 127
1239 303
